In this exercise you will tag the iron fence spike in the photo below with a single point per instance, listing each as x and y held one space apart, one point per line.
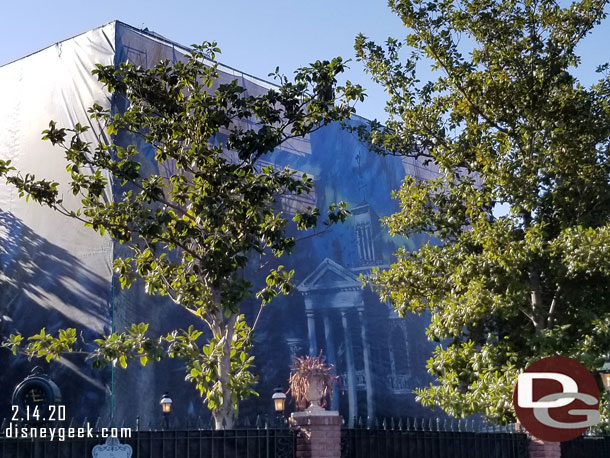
247 422
3 427
384 424
438 424
392 425
138 423
258 422
85 422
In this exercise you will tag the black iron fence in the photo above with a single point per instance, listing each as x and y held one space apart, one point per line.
257 438
432 438
246 443
586 446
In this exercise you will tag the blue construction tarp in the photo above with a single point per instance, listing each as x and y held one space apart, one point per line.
55 273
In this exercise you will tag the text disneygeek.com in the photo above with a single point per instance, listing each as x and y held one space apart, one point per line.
61 433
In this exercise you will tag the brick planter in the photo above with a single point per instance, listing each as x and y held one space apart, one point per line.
541 449
319 433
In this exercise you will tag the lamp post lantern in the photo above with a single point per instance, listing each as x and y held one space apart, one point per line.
604 373
166 408
279 403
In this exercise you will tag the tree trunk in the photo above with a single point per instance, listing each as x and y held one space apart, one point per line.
536 300
538 316
224 415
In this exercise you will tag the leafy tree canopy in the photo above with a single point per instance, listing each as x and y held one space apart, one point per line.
198 235
518 263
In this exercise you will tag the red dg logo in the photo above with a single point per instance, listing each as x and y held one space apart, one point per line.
556 399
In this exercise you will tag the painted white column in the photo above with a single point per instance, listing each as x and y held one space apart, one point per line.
311 327
331 357
351 371
370 403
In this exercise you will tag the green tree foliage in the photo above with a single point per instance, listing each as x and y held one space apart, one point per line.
197 236
517 265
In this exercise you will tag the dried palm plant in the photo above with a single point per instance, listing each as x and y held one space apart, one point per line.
306 369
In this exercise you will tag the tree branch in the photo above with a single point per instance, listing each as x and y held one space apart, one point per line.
553 307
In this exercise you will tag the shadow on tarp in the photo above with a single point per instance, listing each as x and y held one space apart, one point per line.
44 286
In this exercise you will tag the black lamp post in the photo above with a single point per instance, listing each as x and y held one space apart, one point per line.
166 408
604 373
279 403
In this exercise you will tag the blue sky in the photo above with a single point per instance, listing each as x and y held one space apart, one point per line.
255 36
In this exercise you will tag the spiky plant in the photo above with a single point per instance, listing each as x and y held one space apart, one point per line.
303 371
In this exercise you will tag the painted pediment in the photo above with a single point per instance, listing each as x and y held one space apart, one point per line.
329 275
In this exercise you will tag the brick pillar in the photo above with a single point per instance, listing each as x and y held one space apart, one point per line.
542 449
319 433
